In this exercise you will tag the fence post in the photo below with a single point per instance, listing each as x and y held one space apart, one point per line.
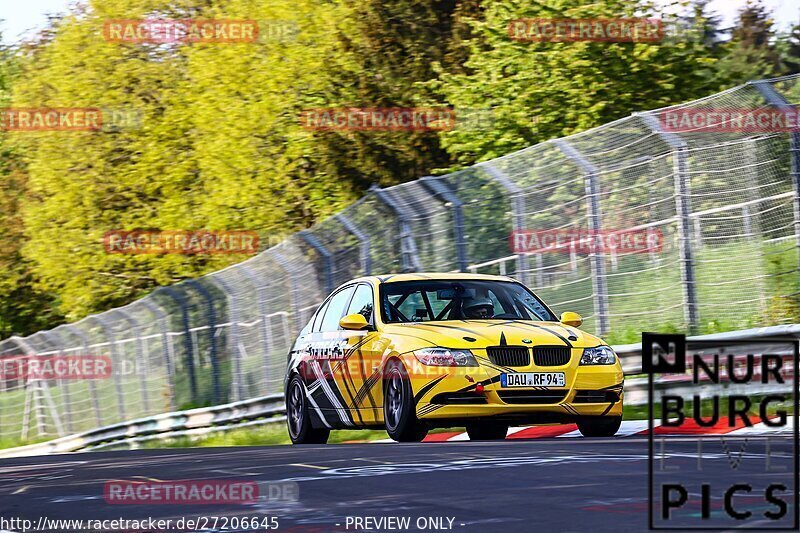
595 218
517 197
166 345
237 384
211 314
283 263
108 331
180 299
266 333
363 239
683 210
327 257
58 341
777 100
144 371
92 386
33 394
448 196
409 260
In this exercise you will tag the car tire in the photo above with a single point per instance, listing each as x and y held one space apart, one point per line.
298 419
487 431
399 412
599 426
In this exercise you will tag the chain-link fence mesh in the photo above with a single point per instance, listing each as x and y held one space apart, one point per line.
726 203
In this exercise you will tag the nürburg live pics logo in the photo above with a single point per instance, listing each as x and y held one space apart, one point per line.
723 437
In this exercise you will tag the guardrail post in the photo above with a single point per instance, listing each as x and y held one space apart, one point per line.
327 257
166 345
409 260
443 192
108 331
517 196
266 333
683 209
180 299
237 381
211 314
363 239
58 341
777 100
144 371
78 332
595 218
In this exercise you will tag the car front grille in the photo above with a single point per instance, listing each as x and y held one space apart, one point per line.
533 396
551 355
509 355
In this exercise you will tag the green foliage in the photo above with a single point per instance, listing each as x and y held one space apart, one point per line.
220 144
542 90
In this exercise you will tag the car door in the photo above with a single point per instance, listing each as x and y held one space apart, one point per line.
328 391
364 350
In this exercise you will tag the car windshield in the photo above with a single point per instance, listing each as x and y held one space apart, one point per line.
436 300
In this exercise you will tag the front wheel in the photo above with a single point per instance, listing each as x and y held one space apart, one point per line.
399 414
297 418
487 431
599 426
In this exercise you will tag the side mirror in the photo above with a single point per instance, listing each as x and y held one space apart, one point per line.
571 319
355 321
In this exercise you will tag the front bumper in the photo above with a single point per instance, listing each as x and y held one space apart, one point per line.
589 391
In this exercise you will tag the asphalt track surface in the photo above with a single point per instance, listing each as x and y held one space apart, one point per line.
538 485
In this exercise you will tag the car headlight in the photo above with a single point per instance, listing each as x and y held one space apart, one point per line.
602 355
445 357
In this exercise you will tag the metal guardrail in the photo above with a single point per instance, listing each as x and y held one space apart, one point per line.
271 409
166 424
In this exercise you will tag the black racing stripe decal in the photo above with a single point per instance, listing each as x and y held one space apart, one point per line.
367 386
426 388
608 409
534 326
485 382
321 399
428 409
491 365
357 346
327 375
345 368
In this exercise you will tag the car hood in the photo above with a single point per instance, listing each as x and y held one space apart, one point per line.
483 333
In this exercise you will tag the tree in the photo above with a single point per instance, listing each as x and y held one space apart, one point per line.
751 53
541 90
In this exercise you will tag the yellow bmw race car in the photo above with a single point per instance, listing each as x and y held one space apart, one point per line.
411 352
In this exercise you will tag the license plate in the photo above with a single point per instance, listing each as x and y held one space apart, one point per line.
532 379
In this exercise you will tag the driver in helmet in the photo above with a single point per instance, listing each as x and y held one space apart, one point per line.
478 308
